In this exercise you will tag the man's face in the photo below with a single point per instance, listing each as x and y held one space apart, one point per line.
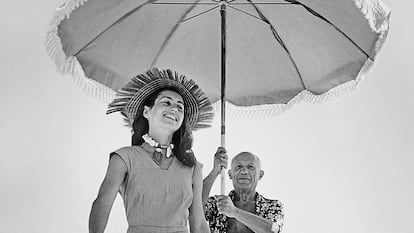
245 171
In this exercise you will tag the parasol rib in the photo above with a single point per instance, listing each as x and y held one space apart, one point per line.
247 13
173 30
202 13
265 3
333 25
183 3
213 2
279 40
116 22
260 3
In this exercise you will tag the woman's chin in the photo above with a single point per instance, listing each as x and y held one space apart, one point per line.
171 126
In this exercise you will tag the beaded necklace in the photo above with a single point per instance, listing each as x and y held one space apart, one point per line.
158 148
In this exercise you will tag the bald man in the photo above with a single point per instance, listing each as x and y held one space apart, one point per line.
243 210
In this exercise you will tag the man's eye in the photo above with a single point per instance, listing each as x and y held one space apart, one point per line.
238 167
251 167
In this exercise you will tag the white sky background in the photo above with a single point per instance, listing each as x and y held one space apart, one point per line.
342 166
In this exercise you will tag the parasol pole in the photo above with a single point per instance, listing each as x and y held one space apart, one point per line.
223 88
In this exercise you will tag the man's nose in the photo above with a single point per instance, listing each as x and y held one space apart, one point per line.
244 170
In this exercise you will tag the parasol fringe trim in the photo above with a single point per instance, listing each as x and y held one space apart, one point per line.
70 65
271 110
378 16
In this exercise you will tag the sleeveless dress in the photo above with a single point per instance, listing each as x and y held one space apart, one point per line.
156 200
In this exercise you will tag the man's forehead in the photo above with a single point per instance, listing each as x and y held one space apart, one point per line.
245 157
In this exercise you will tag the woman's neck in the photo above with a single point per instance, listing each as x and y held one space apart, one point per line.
161 137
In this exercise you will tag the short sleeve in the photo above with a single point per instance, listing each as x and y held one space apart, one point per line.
211 210
124 153
276 214
197 173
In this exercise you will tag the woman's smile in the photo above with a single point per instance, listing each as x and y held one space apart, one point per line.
171 116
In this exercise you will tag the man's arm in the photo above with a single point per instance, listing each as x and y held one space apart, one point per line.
256 223
207 184
220 160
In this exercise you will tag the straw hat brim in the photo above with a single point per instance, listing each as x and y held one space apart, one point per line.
131 98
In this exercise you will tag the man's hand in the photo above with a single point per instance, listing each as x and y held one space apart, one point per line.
255 222
226 206
220 160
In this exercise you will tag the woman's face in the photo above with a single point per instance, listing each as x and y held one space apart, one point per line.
167 112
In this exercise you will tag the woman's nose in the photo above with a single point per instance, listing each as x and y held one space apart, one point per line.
174 109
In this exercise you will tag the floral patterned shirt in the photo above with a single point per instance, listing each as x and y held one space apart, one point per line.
266 208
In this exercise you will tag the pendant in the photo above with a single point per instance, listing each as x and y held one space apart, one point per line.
156 156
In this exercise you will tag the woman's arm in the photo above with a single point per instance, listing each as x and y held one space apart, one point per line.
102 205
198 223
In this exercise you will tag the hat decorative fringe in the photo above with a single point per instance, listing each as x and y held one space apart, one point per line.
129 99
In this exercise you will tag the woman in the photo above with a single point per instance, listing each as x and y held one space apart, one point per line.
158 176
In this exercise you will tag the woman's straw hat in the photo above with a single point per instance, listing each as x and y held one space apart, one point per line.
130 99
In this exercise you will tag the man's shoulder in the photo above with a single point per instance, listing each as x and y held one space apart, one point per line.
273 203
211 199
211 203
270 209
211 212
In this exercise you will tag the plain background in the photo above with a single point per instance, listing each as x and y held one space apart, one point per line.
342 166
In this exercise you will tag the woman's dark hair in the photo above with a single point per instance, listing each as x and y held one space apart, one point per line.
182 138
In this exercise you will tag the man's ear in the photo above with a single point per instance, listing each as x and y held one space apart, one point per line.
145 113
261 174
230 174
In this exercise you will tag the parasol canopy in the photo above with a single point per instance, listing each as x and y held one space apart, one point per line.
260 56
